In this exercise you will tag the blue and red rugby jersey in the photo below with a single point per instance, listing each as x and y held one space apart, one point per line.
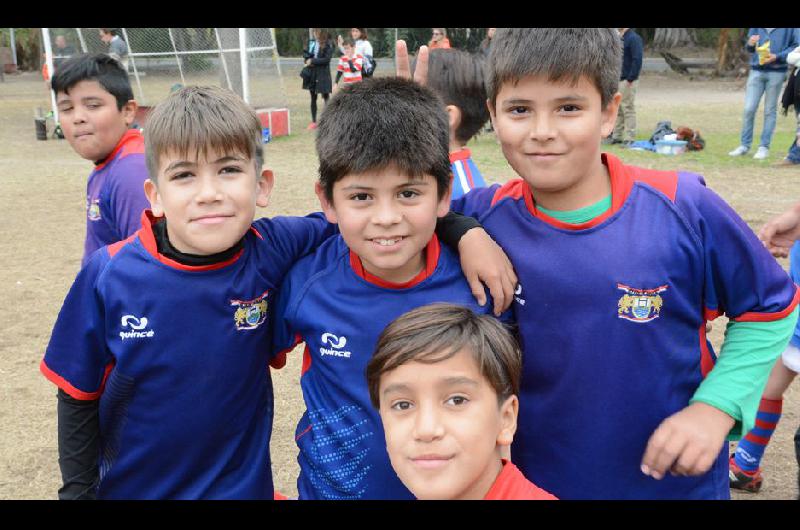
338 309
178 357
115 196
611 317
465 173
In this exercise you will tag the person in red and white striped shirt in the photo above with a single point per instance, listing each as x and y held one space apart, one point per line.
350 65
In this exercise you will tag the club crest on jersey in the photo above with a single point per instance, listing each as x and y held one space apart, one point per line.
640 305
93 209
250 314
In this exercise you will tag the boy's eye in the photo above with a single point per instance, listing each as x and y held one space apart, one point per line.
401 405
570 108
359 197
517 110
409 194
179 176
231 169
457 400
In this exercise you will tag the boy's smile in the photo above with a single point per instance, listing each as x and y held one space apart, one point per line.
91 121
550 133
209 201
387 219
444 427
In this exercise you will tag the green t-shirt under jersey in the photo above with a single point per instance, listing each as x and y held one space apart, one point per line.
745 360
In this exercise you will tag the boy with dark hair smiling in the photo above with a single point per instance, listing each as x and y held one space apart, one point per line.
385 179
96 109
160 351
628 264
445 381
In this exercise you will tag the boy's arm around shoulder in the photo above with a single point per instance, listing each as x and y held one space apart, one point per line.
287 239
283 303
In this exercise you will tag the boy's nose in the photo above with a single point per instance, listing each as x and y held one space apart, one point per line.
542 128
208 191
386 214
427 426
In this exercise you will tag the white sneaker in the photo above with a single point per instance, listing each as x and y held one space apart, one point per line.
761 154
739 151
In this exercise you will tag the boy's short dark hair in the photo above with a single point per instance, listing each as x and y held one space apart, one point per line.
383 122
98 67
457 76
202 118
434 333
558 53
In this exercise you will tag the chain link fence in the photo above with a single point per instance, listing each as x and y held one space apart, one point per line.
161 58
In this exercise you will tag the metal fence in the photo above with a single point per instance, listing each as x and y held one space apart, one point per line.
244 60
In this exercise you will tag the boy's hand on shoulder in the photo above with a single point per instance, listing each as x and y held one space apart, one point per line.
687 443
780 233
482 260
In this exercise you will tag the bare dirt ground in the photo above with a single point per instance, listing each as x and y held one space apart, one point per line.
42 195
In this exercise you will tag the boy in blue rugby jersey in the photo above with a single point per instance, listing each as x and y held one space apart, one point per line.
385 180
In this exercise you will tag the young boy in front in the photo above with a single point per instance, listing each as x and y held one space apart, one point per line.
96 109
160 350
445 381
385 179
620 268
457 77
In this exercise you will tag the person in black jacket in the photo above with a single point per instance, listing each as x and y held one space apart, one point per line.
632 54
317 78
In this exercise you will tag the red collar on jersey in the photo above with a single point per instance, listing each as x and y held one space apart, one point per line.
431 260
131 142
463 154
148 240
622 179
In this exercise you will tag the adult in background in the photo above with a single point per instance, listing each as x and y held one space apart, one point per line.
439 39
117 48
362 48
486 43
317 57
632 54
791 97
62 51
769 48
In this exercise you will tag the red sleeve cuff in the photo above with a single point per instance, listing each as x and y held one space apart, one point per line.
770 317
65 385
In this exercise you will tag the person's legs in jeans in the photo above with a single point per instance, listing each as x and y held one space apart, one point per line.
756 83
772 91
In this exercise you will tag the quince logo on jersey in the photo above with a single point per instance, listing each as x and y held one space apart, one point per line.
640 305
518 295
250 314
93 209
137 326
335 343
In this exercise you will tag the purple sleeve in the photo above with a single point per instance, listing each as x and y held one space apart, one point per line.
77 358
123 197
742 279
476 202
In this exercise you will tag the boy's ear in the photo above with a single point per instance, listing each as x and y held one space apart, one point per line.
453 117
609 115
264 185
151 191
129 111
327 206
508 421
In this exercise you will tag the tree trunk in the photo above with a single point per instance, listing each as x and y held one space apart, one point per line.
722 50
666 38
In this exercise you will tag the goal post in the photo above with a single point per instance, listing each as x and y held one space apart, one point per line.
244 60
